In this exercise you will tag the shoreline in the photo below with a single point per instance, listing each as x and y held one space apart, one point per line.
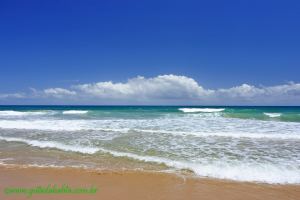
130 184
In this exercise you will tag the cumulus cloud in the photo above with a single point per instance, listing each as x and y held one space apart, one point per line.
171 89
12 95
59 92
286 93
160 87
291 89
242 91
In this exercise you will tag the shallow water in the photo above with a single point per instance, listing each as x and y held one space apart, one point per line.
260 144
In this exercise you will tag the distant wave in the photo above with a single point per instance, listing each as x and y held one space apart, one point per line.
273 114
207 110
50 144
19 113
75 112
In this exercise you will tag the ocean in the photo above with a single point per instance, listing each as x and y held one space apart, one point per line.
256 144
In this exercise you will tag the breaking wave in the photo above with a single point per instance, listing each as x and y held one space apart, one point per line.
51 144
205 110
75 112
267 173
273 114
20 113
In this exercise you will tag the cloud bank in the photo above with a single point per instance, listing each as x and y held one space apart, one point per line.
164 89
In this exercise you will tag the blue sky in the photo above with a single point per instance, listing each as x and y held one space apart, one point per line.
218 44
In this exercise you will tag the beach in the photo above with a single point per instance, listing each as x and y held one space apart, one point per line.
136 185
149 100
149 152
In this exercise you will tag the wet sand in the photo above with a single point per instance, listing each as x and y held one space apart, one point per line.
136 185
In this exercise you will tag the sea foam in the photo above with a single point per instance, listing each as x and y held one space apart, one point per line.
273 114
52 144
19 113
190 126
267 173
210 144
206 110
75 112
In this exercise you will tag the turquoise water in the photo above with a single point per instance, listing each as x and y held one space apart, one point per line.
285 113
260 144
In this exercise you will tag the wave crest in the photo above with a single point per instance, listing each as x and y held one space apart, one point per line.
51 144
273 114
75 112
206 110
267 173
20 113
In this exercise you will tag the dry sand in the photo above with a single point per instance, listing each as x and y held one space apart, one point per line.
134 185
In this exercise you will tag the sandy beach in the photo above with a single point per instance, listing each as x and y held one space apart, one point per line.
136 185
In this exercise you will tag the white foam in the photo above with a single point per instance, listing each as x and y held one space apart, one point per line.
273 114
60 125
206 110
262 172
75 112
51 144
228 134
19 113
265 129
266 173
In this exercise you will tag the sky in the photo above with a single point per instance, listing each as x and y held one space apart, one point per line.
150 52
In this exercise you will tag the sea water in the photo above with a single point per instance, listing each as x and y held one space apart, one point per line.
257 144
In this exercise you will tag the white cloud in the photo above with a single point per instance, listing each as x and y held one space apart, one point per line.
160 87
242 91
279 94
170 89
291 89
12 95
59 92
